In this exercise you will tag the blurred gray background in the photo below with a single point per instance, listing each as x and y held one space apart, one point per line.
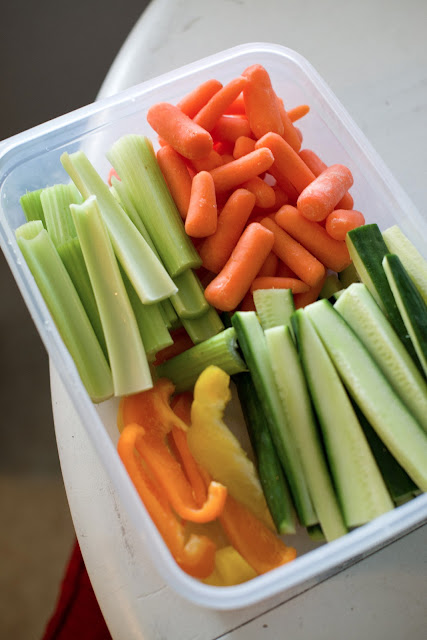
54 56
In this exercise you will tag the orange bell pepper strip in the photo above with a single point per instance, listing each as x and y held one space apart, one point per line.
260 547
196 556
151 410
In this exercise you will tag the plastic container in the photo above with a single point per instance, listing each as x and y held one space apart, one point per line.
31 160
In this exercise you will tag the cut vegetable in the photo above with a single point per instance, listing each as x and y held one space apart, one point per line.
395 425
411 305
292 388
127 357
32 206
252 342
274 306
56 202
66 308
361 490
411 258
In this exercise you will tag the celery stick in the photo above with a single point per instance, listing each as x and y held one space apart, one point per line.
66 308
143 268
169 314
189 301
128 360
203 327
120 192
221 350
32 206
56 202
152 326
134 159
72 256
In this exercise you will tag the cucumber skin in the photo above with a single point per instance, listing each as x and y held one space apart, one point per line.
269 468
368 241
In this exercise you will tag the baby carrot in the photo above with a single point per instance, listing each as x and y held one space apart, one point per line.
298 112
264 194
303 299
261 105
230 128
112 174
202 216
283 271
180 131
320 197
342 220
209 115
273 282
216 250
333 254
269 267
247 303
223 146
287 163
237 107
230 286
242 146
196 99
234 173
212 160
292 253
175 172
291 134
317 165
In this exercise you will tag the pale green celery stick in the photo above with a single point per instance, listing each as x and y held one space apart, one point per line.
141 265
128 360
150 321
169 314
134 159
72 256
189 301
32 207
56 202
274 307
66 309
120 192
203 327
221 350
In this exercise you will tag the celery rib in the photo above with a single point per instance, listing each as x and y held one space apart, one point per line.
66 309
128 360
56 202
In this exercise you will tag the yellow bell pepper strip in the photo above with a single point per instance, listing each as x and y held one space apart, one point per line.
196 556
262 549
215 447
230 569
151 410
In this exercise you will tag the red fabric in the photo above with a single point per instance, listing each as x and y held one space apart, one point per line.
77 613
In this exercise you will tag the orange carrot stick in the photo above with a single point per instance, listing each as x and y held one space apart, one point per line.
242 146
320 197
298 112
291 134
303 299
209 115
212 160
229 287
223 147
283 271
177 178
264 194
180 131
259 546
333 254
230 128
273 282
287 166
261 105
247 303
317 166
269 268
196 99
340 221
216 250
234 173
292 253
202 216
237 107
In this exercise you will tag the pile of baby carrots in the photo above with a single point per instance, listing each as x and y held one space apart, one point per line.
261 211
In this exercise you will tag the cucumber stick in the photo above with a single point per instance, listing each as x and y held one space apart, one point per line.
359 309
367 250
410 303
359 484
293 392
274 306
270 472
252 343
393 422
411 258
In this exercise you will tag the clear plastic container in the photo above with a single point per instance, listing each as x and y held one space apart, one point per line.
31 160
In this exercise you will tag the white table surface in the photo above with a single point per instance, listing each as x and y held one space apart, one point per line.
374 57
